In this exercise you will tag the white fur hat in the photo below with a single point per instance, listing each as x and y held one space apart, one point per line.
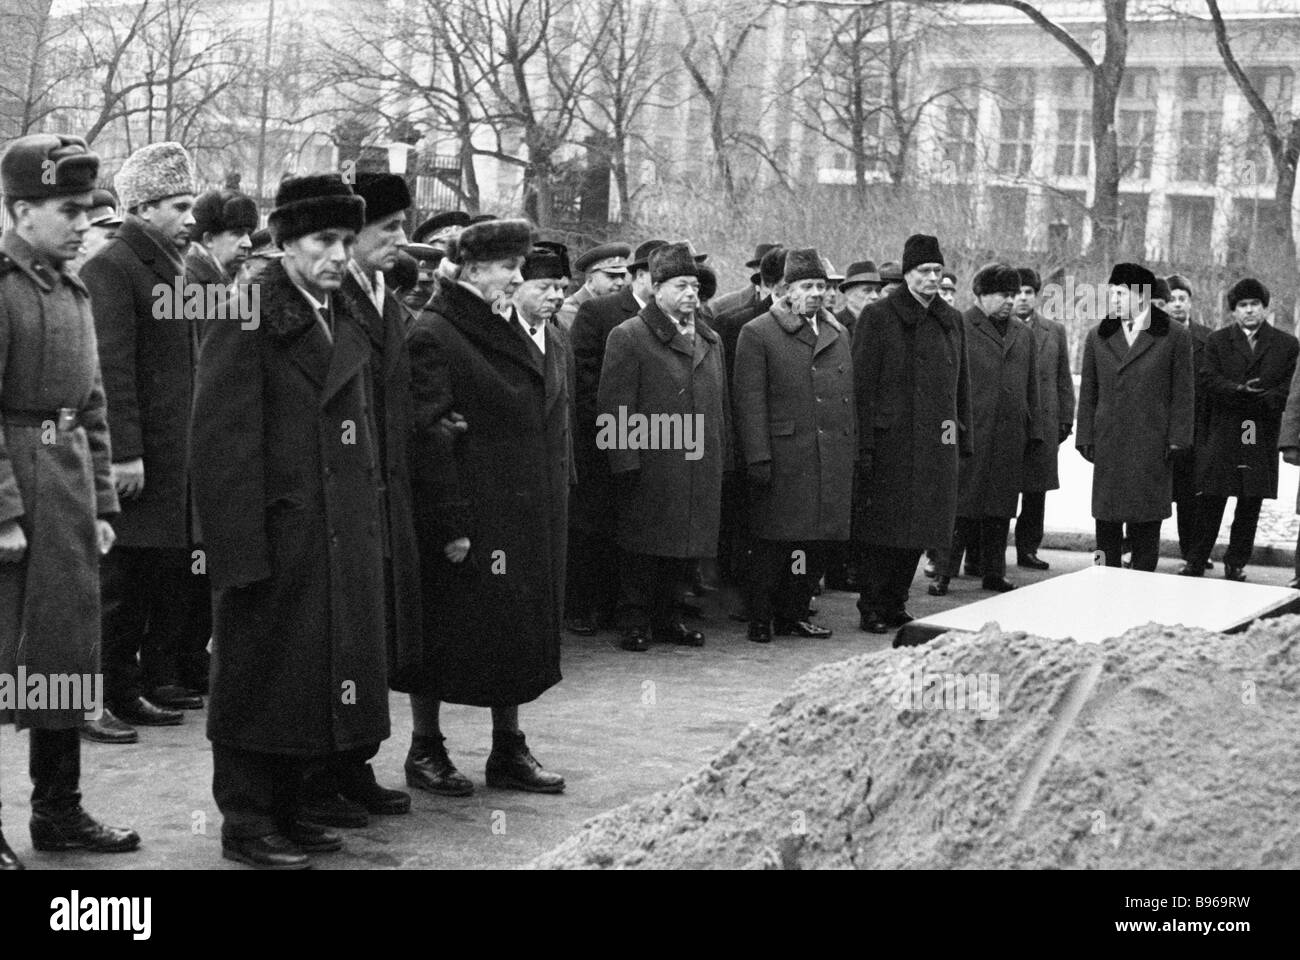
154 172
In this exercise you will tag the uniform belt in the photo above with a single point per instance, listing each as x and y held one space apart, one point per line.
64 418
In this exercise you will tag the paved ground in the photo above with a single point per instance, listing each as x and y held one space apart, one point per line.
620 725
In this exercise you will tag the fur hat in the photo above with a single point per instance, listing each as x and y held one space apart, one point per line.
920 248
803 264
772 267
547 261
1160 290
385 194
1247 288
995 278
219 210
154 172
319 201
1029 278
491 240
673 260
24 173
708 283
1132 275
1177 281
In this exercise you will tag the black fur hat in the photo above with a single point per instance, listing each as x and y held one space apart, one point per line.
492 240
1132 275
218 210
319 201
1029 278
920 248
673 260
1247 288
385 194
996 278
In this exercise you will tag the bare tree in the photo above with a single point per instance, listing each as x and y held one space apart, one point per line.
34 63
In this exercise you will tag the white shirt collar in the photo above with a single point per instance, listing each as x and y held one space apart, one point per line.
538 336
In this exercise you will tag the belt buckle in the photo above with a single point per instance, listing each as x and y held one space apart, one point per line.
67 419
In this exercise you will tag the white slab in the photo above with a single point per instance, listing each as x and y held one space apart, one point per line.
1100 602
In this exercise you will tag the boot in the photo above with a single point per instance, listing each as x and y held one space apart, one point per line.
510 766
8 859
939 588
428 767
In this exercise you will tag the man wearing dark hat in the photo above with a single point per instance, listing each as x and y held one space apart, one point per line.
1055 418
1245 376
1187 504
439 229
1004 421
56 489
104 221
593 573
287 481
861 288
146 349
224 221
666 365
344 792
795 421
914 421
891 277
1136 410
605 268
750 294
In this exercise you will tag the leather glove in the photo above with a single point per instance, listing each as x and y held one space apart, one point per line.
1087 451
1064 434
759 474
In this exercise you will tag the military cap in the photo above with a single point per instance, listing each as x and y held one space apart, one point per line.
103 210
441 225
607 257
44 165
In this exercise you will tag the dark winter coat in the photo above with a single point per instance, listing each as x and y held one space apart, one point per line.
286 481
1239 455
148 366
1134 403
651 368
1185 486
390 386
728 325
912 387
747 296
492 622
53 483
793 407
1055 403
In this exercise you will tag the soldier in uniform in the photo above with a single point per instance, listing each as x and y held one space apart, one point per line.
56 487
605 269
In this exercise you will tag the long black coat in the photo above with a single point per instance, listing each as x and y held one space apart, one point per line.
793 407
727 326
747 296
148 366
1134 403
390 386
492 622
1004 415
651 368
912 385
1055 403
1239 455
1185 485
286 481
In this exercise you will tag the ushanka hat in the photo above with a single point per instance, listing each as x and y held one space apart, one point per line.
28 161
320 201
920 248
1177 281
219 210
491 240
154 172
385 194
673 260
1029 278
1247 289
995 278
803 264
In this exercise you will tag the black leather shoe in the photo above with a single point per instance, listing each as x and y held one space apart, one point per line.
81 831
271 852
760 632
680 635
997 584
175 697
899 618
510 766
309 838
874 623
1030 561
1234 573
142 713
108 729
800 628
582 626
363 790
334 811
8 859
939 588
636 640
1190 569
428 767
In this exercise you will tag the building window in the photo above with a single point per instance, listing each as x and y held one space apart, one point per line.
1007 218
1201 95
1016 125
1190 222
1136 141
959 139
1073 142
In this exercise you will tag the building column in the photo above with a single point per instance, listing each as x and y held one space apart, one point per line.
1164 161
1040 169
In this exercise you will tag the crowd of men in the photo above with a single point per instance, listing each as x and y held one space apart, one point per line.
416 460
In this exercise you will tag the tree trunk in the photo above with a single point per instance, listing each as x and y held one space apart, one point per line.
1105 178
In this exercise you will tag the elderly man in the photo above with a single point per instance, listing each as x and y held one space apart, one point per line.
147 357
605 269
1187 502
795 422
286 481
860 288
663 374
1244 377
56 491
1136 410
912 390
1055 418
1004 415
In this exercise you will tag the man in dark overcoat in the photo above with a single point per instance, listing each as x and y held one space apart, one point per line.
490 508
752 292
146 349
1003 359
666 427
794 414
1187 503
56 489
913 397
286 481
1055 418
1136 411
1244 377
860 289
